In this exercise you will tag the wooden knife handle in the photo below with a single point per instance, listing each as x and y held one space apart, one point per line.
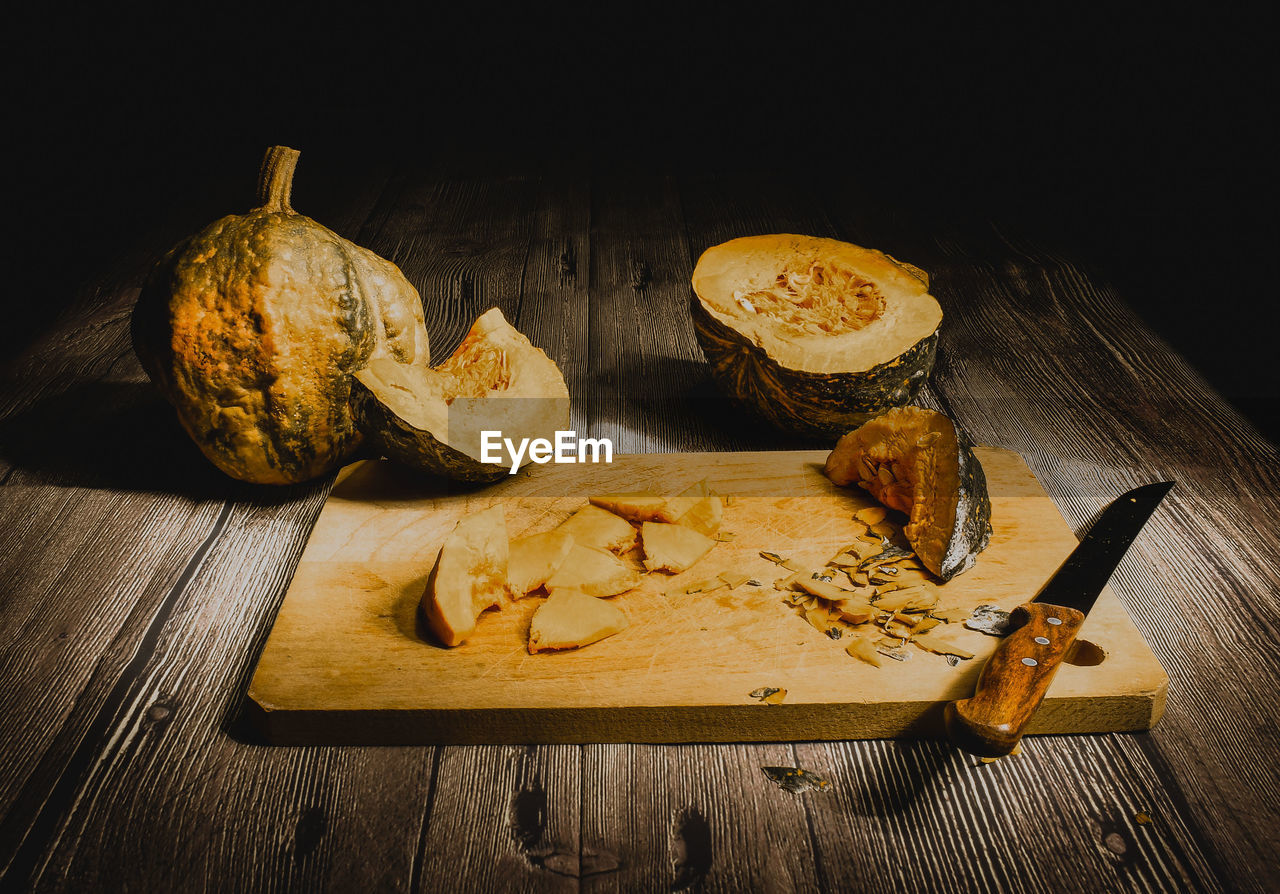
1014 680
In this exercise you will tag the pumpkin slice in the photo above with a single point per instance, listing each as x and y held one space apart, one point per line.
535 558
570 619
434 419
704 516
816 335
593 526
595 572
637 507
681 503
919 462
672 548
469 577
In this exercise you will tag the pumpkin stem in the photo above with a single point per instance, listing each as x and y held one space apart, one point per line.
275 178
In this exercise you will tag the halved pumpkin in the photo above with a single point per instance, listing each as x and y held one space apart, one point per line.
433 419
919 462
816 335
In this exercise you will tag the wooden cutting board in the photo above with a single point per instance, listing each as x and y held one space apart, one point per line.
349 662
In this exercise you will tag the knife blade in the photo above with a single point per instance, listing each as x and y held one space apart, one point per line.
1015 678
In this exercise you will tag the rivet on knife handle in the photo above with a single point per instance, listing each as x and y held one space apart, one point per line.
1014 680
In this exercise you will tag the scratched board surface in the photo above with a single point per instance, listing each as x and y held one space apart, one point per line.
348 659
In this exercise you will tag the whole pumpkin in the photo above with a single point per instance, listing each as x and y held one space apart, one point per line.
252 327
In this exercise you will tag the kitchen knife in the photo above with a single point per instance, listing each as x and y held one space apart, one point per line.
1015 678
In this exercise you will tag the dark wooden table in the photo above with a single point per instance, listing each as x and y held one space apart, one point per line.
137 586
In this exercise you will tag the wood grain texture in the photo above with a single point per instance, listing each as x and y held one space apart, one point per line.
130 768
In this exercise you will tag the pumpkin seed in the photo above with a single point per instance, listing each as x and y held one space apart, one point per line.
795 780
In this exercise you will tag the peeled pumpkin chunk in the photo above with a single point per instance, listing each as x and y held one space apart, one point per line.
535 558
919 462
814 334
596 572
680 505
593 526
673 548
433 418
570 619
469 577
704 516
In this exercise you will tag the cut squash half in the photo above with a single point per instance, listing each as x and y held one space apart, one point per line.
434 418
816 335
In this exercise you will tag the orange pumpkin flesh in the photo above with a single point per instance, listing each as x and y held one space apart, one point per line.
919 462
815 335
433 419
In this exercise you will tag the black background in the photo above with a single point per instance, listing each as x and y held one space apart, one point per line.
1133 139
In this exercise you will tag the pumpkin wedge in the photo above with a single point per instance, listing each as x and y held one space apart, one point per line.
919 462
570 619
704 516
535 558
596 572
672 548
593 526
433 419
679 505
253 326
469 576
816 335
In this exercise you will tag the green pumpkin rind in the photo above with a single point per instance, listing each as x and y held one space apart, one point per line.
972 531
253 326
814 404
920 446
415 447
408 413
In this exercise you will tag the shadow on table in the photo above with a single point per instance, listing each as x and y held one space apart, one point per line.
113 435
677 403
910 769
